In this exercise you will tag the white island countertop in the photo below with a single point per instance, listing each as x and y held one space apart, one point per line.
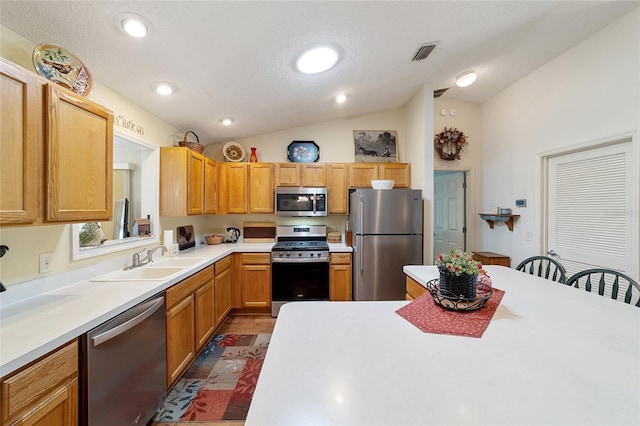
552 354
38 317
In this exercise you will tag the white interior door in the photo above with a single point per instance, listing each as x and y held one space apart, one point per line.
449 214
590 200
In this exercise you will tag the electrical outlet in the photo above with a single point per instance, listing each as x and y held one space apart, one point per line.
528 236
46 263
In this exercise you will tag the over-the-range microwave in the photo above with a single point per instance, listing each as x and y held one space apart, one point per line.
301 202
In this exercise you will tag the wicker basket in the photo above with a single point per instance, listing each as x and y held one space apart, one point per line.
195 146
213 239
334 237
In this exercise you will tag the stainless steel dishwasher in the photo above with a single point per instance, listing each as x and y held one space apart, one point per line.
125 367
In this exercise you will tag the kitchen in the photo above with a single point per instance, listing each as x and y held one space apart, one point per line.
613 115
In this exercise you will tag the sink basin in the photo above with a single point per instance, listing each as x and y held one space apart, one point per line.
181 262
141 274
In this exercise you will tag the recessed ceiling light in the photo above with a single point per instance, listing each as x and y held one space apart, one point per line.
317 60
466 78
227 121
163 88
341 98
132 24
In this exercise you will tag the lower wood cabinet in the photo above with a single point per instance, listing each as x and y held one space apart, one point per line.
222 289
256 280
340 277
45 392
190 320
414 289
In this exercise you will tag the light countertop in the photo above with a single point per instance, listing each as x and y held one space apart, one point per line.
552 354
36 319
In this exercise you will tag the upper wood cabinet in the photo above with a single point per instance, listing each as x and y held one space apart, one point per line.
79 158
56 152
361 174
245 188
338 188
210 186
20 145
184 179
301 174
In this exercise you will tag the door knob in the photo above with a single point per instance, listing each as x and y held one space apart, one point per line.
552 253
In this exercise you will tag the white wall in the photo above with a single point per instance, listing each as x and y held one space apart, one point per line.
590 92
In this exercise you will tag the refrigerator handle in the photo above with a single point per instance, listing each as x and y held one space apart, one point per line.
361 213
360 259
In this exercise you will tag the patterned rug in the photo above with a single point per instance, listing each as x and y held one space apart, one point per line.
219 385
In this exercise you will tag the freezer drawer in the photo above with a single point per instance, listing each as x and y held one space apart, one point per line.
378 265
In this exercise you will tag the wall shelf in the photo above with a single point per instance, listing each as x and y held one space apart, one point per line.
491 219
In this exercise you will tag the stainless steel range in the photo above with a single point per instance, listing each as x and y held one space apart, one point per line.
299 265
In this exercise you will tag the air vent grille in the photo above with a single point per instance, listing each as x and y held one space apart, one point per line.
439 92
423 52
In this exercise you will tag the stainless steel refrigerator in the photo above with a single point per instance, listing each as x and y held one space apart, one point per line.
387 234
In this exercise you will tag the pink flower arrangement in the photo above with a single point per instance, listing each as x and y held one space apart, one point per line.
459 262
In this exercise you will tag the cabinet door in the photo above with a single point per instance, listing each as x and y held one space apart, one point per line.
210 186
256 286
287 174
205 315
232 188
195 183
180 338
60 409
399 172
337 188
19 146
79 159
314 175
261 188
340 277
361 174
222 295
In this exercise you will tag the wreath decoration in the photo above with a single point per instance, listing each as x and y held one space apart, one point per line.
449 143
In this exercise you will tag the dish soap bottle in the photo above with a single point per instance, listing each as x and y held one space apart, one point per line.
254 157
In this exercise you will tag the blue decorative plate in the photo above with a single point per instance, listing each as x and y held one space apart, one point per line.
303 152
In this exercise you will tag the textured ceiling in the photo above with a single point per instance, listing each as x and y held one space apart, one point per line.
235 58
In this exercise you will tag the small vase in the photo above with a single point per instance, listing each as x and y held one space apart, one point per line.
458 287
254 157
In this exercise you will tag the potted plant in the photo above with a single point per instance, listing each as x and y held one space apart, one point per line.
458 274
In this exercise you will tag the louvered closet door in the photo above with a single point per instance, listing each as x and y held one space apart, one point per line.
590 201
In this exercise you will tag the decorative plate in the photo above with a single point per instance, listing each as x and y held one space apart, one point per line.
303 152
61 67
233 152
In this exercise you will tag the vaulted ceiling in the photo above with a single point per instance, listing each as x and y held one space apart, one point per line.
236 58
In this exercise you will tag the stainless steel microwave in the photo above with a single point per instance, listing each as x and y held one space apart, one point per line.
301 202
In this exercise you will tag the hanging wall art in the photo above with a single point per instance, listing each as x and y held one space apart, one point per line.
449 143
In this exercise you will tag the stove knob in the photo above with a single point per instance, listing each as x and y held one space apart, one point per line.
311 254
300 254
288 254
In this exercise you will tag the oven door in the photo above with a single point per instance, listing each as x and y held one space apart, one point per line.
292 282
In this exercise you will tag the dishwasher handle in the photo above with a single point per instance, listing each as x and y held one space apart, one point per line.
149 307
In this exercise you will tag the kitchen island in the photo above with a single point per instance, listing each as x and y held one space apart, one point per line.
552 354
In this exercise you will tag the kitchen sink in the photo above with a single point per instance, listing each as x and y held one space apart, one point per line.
143 273
181 262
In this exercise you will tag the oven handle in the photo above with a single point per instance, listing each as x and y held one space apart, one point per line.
304 260
116 331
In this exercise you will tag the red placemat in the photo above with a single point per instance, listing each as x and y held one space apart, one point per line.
430 317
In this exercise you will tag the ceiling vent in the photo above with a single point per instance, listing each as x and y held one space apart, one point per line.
439 92
424 51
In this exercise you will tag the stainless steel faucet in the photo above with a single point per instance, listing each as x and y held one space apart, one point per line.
136 261
149 257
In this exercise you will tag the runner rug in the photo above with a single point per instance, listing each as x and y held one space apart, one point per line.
219 385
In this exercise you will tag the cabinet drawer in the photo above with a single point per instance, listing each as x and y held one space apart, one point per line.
26 388
256 258
187 286
414 289
223 264
340 258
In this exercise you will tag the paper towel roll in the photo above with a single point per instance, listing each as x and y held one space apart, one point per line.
168 238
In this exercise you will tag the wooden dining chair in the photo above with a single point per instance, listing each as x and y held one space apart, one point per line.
608 283
544 267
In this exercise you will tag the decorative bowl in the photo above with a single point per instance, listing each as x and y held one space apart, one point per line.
214 239
382 184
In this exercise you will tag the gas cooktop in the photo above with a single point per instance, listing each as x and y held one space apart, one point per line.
301 245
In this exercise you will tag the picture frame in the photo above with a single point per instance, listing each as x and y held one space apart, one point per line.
375 146
303 152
